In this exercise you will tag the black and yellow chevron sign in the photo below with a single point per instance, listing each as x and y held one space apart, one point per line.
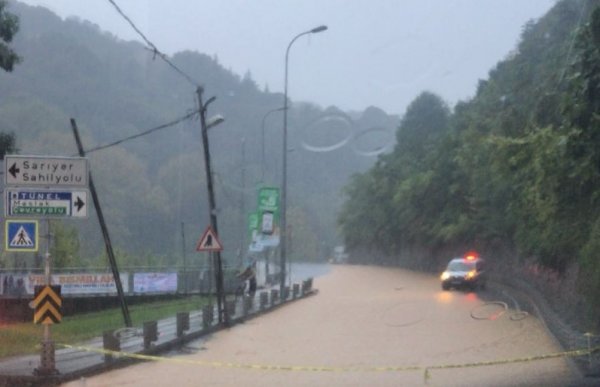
47 303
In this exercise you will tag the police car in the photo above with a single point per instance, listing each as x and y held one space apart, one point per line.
464 272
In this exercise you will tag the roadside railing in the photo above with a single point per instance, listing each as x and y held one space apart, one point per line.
569 337
155 336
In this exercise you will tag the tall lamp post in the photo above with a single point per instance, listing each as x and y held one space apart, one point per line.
264 119
216 256
283 231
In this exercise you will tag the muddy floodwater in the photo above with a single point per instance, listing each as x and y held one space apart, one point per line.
367 326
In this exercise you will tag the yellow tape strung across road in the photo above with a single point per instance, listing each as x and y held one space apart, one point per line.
266 367
217 364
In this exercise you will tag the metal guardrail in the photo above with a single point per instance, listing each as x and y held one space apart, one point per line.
569 337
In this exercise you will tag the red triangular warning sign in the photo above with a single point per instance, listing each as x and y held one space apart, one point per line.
209 241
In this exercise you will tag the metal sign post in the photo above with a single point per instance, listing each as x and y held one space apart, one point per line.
47 355
52 195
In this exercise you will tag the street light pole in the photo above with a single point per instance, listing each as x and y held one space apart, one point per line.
283 225
216 255
242 204
264 119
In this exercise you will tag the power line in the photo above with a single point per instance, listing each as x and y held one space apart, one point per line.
155 50
149 131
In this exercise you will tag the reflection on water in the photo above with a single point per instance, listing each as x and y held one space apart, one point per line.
296 272
471 297
444 297
300 271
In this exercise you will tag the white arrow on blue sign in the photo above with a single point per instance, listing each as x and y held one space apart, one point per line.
46 203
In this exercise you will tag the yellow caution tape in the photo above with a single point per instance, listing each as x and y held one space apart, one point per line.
266 367
218 364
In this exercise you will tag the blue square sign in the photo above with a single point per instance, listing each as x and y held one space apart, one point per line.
21 235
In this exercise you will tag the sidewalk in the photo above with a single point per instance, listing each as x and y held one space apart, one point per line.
88 358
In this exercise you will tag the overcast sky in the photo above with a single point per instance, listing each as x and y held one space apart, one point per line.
375 53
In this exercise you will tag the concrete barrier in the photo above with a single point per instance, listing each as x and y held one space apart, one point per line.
274 296
263 299
208 312
285 294
150 331
183 322
247 303
111 343
230 305
307 286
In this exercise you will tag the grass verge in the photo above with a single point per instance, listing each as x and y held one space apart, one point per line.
25 338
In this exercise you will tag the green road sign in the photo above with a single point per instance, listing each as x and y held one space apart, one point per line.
268 200
64 203
268 209
268 216
41 211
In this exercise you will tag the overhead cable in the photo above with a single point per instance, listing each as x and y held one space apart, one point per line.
149 131
153 47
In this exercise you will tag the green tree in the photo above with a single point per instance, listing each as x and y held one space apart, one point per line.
7 144
583 153
65 249
363 216
399 203
9 25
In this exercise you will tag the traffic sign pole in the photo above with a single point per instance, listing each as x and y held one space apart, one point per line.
45 173
47 355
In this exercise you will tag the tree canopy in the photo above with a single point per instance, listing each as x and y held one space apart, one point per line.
9 25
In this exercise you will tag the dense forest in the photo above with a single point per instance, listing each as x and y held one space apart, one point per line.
514 172
153 188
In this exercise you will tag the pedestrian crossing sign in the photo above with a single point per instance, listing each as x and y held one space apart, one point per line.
21 235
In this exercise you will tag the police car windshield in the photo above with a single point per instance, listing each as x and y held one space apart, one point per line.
461 266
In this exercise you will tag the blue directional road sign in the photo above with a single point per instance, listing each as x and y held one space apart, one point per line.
21 235
46 203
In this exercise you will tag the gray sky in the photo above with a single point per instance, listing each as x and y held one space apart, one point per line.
375 53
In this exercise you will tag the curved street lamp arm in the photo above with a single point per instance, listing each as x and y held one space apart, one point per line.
287 55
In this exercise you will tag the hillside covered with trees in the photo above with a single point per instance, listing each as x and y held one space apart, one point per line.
153 187
514 172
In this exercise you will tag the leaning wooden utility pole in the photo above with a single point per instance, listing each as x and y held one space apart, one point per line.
107 243
216 255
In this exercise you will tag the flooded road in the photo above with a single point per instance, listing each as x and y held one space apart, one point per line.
366 326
